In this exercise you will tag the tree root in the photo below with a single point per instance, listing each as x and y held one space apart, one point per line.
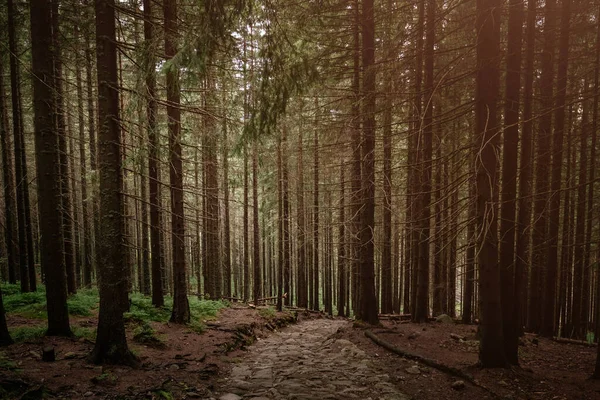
430 363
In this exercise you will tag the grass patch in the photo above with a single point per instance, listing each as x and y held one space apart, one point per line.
205 309
83 302
33 304
27 333
142 309
86 333
267 313
145 334
6 363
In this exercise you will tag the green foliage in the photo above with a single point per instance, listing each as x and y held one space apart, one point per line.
9 289
29 305
267 313
163 394
589 337
145 334
27 333
83 302
33 304
6 363
142 309
82 332
203 309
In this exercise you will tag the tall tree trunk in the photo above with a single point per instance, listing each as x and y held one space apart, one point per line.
356 143
59 115
316 261
85 201
258 287
20 174
111 343
342 289
592 211
10 229
509 181
301 249
226 220
523 230
153 144
286 273
539 270
387 287
368 301
424 160
181 308
491 347
47 157
548 327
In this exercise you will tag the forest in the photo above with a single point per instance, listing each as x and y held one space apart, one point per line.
379 169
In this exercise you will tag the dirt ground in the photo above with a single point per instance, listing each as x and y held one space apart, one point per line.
188 365
185 365
548 370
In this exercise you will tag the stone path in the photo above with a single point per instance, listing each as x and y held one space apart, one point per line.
305 362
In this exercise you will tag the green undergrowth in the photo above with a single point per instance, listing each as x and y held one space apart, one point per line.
85 302
33 333
33 304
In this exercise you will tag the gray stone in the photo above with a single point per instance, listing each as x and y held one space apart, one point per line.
413 335
444 319
414 370
230 396
458 385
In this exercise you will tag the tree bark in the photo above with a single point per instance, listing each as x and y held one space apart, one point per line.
509 181
368 301
10 229
491 348
48 160
111 342
181 308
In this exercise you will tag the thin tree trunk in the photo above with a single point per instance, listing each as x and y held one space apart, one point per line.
10 229
548 327
181 308
20 173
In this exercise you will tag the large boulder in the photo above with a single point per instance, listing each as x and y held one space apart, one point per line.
444 319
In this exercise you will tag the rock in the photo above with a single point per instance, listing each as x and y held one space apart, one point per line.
173 367
413 335
458 385
230 396
414 370
444 319
88 394
70 355
457 337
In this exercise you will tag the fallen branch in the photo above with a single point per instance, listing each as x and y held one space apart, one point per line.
285 295
573 341
395 317
430 363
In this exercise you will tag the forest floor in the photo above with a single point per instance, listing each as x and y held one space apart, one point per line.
248 353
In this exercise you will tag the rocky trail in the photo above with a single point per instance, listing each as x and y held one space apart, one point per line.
307 361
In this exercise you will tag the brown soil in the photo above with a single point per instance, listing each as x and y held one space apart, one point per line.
188 365
548 370
184 364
